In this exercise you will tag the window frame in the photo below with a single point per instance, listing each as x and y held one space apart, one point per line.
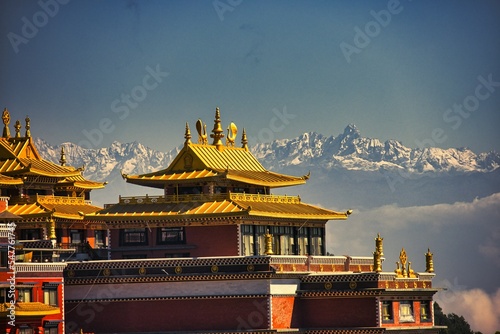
180 235
126 232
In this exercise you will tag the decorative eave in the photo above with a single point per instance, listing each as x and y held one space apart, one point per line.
67 208
10 181
175 208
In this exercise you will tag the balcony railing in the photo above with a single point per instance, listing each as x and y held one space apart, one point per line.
32 267
209 197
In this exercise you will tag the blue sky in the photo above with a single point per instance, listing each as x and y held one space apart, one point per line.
256 60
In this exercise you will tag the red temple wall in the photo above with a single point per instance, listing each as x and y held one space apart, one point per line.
168 315
213 240
335 312
282 310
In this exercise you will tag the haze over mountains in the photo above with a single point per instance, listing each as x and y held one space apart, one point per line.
352 170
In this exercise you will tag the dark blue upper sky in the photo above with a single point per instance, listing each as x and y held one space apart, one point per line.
91 72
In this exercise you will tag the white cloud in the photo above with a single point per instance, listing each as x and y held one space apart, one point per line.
480 310
464 237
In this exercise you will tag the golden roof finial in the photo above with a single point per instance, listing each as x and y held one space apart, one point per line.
28 133
17 126
429 263
244 140
6 121
379 244
217 132
63 157
187 135
377 261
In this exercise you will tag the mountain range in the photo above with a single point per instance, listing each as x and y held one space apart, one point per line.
347 164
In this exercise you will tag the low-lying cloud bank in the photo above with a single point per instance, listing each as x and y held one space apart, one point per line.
481 310
465 240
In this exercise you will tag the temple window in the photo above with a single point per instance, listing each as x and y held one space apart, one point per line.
100 238
50 295
316 235
31 234
283 241
133 237
50 329
303 241
170 235
425 311
260 239
387 313
247 236
24 295
406 311
24 329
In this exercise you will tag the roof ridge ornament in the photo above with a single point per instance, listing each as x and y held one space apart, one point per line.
28 132
244 140
202 132
6 121
232 131
217 132
17 126
187 135
62 160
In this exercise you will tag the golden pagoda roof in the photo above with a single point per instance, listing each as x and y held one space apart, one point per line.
206 206
8 181
29 309
203 161
54 206
20 157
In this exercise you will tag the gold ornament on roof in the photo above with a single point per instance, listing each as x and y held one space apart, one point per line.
244 140
17 126
217 132
379 244
202 132
6 121
429 263
63 157
232 130
187 135
28 133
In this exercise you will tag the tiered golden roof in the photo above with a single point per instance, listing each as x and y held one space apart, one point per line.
205 162
175 208
22 167
201 167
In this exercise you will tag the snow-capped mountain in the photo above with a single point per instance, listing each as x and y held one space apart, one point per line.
350 151
348 164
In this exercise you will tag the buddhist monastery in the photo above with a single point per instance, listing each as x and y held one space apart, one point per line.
217 252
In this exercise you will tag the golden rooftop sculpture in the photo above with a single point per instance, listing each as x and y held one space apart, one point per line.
28 133
217 132
62 160
429 263
269 243
232 130
378 253
17 126
202 132
406 270
6 121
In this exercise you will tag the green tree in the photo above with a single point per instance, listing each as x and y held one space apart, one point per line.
456 324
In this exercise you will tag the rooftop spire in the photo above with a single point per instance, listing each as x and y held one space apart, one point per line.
217 132
17 126
6 121
244 140
28 133
63 157
187 135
